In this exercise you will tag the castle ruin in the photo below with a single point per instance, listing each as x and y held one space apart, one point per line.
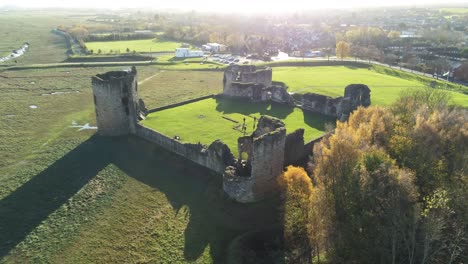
255 84
268 149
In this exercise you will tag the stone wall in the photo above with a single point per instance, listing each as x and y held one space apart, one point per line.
217 156
252 180
255 84
355 95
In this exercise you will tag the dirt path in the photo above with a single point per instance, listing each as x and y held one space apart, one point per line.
149 78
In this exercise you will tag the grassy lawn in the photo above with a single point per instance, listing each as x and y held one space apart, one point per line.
331 81
203 121
146 45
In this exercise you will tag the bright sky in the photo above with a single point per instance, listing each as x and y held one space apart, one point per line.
226 5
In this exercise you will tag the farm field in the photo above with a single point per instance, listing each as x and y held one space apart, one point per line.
331 81
203 121
146 45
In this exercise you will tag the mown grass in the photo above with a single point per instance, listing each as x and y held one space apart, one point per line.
68 196
203 121
331 81
146 45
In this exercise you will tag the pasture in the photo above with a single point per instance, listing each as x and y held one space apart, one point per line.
35 28
221 118
146 45
331 81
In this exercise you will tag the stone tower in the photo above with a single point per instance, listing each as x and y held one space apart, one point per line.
253 179
116 102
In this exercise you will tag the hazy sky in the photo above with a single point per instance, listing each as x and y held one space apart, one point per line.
226 5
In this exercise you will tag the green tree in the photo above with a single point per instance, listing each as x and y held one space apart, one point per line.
342 49
464 53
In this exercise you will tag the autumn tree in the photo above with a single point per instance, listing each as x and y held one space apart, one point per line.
342 49
297 190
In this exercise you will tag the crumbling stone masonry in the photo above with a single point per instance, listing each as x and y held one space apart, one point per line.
116 102
118 110
355 95
268 149
255 84
253 179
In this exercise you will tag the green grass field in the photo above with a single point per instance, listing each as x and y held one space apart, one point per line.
455 11
68 196
171 86
35 28
331 81
146 45
203 121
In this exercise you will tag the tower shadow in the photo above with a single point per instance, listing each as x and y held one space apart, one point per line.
29 205
213 222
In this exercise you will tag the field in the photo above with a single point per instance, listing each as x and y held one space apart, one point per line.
146 45
331 81
69 196
455 11
204 121
172 86
34 28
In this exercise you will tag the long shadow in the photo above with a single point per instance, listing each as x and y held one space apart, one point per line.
317 121
214 220
232 105
30 204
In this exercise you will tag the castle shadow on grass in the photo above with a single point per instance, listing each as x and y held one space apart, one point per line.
214 220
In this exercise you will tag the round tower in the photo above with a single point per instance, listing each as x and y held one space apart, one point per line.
115 102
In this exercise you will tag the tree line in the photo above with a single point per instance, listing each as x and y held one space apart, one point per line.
387 186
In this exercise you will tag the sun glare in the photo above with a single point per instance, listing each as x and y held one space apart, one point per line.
243 6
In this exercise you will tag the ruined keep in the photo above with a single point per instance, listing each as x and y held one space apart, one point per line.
255 84
116 102
254 178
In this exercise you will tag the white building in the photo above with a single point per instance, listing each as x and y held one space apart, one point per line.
187 53
214 47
